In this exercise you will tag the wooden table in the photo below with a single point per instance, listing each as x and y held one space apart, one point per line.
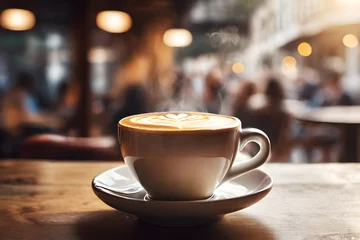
54 200
345 117
349 115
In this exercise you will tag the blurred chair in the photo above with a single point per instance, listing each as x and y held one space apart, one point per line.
326 142
56 147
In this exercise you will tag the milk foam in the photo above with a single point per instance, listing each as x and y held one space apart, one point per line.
179 121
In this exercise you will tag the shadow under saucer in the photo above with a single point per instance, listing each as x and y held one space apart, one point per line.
118 225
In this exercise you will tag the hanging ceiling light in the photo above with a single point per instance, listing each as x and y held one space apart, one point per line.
114 21
17 19
177 37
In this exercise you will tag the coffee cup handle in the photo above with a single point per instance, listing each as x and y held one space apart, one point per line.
246 136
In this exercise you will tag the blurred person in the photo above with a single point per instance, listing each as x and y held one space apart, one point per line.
135 98
328 138
21 116
69 93
136 71
306 88
214 93
241 107
25 85
274 121
332 92
19 103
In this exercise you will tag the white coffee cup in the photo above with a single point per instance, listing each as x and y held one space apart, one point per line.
186 155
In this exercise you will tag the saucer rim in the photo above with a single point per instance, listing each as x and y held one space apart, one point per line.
96 187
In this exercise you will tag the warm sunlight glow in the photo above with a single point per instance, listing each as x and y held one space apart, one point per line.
17 19
348 3
114 21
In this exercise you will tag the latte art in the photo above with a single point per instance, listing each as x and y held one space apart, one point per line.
179 121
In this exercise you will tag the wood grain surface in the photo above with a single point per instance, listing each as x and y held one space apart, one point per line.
54 200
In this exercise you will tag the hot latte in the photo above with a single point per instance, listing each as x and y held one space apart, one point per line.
186 155
179 121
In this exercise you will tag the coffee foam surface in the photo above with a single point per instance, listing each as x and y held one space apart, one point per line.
170 121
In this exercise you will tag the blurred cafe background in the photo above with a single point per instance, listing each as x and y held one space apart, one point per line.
73 69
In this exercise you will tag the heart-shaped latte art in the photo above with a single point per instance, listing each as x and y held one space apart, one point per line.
181 121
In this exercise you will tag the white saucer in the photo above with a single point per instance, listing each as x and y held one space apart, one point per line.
118 188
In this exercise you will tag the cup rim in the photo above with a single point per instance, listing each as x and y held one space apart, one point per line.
154 130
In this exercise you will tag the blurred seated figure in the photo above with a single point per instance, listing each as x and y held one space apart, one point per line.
331 92
56 147
69 93
24 86
134 102
21 116
274 121
213 94
306 88
241 107
18 103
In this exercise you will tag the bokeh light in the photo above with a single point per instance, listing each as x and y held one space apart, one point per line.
289 62
238 68
305 49
100 55
177 37
53 40
114 21
17 19
350 41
